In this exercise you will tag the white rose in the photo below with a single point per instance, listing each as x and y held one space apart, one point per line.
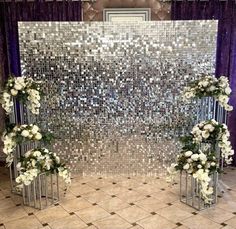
213 163
205 134
25 133
35 129
33 162
228 90
37 153
205 83
189 160
202 157
18 86
14 92
186 167
188 153
228 107
209 127
18 166
38 136
223 98
199 166
195 157
211 88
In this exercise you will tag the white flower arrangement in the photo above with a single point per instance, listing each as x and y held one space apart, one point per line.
24 89
213 131
202 163
38 161
18 134
210 86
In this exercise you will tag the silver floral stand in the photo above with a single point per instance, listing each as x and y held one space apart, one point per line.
190 191
42 192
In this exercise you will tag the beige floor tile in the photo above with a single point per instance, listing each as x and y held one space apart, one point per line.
2 196
114 220
113 204
184 207
165 196
182 227
81 189
91 214
200 222
133 214
151 204
75 204
67 196
91 227
69 222
96 197
227 205
146 189
231 222
129 183
114 189
130 196
156 222
28 222
216 214
9 214
136 227
6 203
174 214
50 214
229 227
99 183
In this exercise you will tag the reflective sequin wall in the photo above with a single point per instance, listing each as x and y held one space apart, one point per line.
113 90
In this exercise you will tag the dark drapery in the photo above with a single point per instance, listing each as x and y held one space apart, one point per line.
225 12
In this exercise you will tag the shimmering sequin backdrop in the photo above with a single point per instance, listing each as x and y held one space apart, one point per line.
113 89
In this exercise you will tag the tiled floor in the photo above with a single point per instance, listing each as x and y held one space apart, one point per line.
119 202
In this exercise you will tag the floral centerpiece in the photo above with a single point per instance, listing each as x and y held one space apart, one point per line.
38 161
216 133
210 86
202 163
24 89
20 133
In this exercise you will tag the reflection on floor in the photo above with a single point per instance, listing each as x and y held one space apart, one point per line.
119 202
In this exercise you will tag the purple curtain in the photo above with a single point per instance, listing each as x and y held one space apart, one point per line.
225 12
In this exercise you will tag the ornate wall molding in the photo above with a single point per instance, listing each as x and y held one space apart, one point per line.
93 11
